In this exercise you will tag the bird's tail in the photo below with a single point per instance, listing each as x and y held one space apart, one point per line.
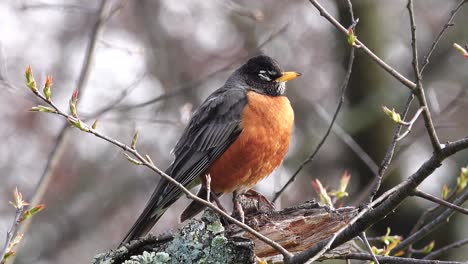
143 225
155 208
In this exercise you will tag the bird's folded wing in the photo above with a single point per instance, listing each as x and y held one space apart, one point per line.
212 129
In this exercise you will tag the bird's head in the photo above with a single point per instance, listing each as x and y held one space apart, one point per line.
263 74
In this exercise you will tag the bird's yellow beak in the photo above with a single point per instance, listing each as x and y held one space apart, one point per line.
287 76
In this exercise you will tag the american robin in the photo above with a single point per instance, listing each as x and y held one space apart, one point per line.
238 136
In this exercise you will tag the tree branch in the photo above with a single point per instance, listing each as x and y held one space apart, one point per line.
369 248
363 47
388 202
431 226
375 185
441 33
434 199
395 260
443 250
419 91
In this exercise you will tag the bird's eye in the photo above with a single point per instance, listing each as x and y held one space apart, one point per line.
264 75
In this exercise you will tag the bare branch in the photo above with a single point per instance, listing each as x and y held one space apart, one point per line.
375 185
387 202
434 224
369 248
441 33
443 250
396 260
419 91
363 47
12 232
117 100
347 139
434 199
410 124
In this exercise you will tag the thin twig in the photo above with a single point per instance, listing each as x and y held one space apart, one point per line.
419 91
422 219
431 226
62 138
305 255
141 160
59 7
410 123
364 48
117 100
395 260
12 232
368 247
104 14
449 23
434 199
443 250
344 85
375 185
347 139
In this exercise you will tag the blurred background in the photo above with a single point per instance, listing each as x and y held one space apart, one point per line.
155 61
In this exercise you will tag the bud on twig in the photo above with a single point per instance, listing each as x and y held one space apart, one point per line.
323 195
47 85
341 192
461 50
134 140
94 125
18 202
445 192
132 160
41 108
351 37
36 209
427 249
392 114
462 179
73 101
30 82
78 124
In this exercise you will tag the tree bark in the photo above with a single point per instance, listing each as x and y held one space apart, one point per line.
209 241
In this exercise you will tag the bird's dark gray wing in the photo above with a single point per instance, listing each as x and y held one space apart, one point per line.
212 129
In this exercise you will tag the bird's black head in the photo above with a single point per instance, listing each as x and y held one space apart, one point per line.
263 74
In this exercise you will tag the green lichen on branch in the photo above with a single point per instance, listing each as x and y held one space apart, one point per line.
199 241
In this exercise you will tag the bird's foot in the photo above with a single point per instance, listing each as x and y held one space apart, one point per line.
238 211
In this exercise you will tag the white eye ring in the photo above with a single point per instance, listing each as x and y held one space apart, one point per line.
263 77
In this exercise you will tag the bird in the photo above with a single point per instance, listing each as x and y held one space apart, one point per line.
239 135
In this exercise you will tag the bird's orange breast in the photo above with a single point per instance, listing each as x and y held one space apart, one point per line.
260 148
